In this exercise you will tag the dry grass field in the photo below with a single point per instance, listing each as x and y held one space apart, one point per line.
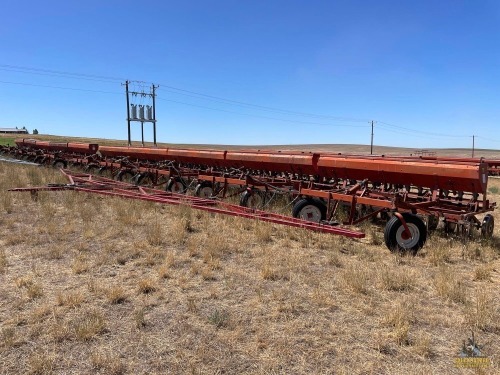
96 285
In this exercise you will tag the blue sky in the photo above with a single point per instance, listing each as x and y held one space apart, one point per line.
270 72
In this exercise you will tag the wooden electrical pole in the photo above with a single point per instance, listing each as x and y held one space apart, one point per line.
153 87
128 114
371 144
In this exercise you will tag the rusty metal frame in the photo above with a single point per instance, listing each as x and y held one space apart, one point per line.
345 174
88 183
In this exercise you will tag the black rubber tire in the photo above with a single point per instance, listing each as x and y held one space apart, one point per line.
252 199
200 189
125 175
60 163
394 228
487 226
300 208
173 185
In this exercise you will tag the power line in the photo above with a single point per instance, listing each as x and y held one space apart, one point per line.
107 79
183 103
60 72
260 116
58 75
488 139
173 89
59 87
418 135
421 131
405 131
283 111
224 101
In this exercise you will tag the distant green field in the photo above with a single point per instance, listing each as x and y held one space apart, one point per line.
4 141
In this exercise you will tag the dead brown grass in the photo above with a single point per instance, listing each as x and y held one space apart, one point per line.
88 325
72 299
3 261
449 286
107 362
96 285
41 363
399 319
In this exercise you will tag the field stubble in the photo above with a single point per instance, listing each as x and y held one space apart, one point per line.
102 285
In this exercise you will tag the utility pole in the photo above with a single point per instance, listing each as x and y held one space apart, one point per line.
154 113
140 112
141 108
473 139
128 113
371 144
